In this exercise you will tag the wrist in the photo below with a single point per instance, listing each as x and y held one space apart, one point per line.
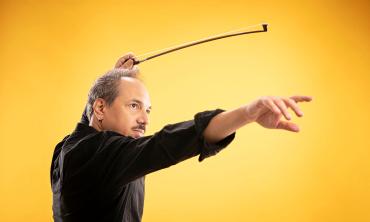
246 114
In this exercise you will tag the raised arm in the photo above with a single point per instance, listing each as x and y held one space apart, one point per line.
266 111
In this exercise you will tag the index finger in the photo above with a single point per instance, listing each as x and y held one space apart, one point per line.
301 98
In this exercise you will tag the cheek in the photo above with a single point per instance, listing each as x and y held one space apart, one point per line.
113 118
122 121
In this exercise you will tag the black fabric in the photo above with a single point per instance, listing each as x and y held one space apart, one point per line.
99 176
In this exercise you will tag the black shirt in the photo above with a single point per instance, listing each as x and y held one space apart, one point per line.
99 175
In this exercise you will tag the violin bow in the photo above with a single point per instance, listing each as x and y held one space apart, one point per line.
209 39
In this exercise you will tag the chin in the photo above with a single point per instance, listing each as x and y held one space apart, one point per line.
136 134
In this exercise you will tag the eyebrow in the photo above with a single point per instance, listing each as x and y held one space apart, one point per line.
141 103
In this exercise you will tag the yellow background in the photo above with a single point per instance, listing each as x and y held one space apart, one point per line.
51 52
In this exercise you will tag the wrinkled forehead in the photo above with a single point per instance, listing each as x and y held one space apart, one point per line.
133 89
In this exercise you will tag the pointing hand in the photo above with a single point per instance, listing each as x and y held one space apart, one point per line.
268 110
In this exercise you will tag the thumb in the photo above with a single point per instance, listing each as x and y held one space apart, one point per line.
288 126
128 64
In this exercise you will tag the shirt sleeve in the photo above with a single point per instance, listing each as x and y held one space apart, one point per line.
127 159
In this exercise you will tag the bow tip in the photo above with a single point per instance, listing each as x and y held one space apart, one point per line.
264 25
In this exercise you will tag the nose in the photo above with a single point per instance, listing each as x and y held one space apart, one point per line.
143 118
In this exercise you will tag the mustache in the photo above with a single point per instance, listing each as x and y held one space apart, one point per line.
141 127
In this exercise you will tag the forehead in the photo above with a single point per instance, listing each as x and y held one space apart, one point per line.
133 89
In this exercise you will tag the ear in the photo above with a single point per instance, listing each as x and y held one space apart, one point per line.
99 108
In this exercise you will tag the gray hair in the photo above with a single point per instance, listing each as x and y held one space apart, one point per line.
106 87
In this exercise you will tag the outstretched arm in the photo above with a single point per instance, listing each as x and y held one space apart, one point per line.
266 111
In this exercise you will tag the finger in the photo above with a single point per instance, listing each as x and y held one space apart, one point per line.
271 105
292 104
135 58
288 126
301 98
283 108
128 55
120 62
128 64
131 55
124 59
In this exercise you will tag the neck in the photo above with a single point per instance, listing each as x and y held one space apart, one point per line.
94 122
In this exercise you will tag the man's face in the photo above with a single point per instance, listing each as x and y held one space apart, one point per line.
129 113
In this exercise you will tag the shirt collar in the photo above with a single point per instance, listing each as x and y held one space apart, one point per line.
85 129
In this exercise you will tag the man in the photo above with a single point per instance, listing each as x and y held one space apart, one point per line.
98 171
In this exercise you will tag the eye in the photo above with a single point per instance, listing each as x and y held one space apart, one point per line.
134 106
